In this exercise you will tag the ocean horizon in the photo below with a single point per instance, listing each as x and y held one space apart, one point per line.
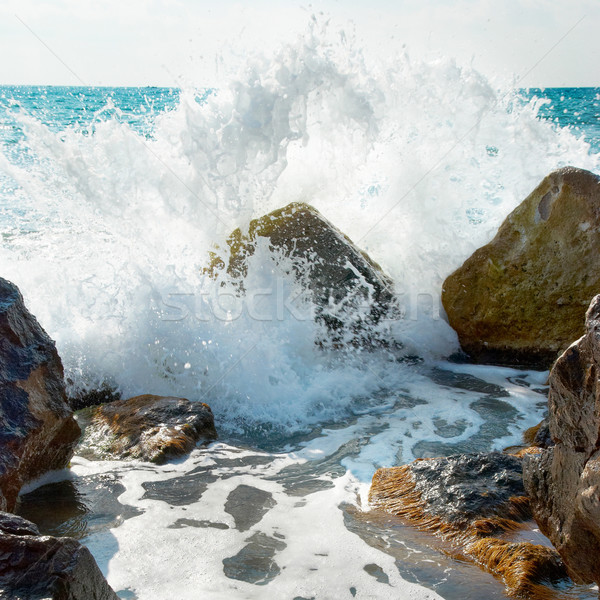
112 200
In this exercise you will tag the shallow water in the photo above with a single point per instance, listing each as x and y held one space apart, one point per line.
293 516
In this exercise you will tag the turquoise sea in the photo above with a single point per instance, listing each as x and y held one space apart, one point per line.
110 201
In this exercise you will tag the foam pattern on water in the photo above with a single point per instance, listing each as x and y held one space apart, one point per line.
233 521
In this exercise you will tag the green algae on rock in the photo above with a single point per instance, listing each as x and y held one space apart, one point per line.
521 299
351 292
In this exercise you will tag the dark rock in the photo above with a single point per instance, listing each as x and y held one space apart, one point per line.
84 398
521 299
351 292
457 491
35 567
474 502
539 435
16 525
563 481
37 430
460 489
151 428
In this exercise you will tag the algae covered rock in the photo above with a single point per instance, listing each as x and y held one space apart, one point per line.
35 566
564 481
350 291
475 502
147 427
461 494
521 299
37 430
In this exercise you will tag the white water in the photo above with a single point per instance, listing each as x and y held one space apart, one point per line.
417 163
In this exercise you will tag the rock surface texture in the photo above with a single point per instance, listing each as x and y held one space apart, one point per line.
474 501
37 430
151 428
521 299
35 567
564 481
351 292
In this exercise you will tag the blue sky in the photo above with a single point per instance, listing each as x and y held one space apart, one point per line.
174 42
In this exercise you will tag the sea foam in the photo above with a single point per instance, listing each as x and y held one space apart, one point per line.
417 162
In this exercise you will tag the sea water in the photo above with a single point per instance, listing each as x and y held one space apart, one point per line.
111 200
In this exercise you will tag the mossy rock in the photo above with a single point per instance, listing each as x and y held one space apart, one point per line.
476 503
336 272
150 428
521 299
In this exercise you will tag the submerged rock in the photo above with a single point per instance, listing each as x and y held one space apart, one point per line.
37 430
564 481
521 299
351 292
151 428
35 567
474 501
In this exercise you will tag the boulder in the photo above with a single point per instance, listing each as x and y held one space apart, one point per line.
35 567
475 502
521 299
150 428
37 430
462 494
563 481
350 291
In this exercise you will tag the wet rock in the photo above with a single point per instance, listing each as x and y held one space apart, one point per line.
84 398
35 567
475 502
151 428
521 565
465 493
539 435
564 481
521 299
351 292
37 430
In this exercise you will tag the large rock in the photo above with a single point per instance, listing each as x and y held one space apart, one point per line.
350 291
564 481
37 430
521 299
462 494
150 428
35 567
475 502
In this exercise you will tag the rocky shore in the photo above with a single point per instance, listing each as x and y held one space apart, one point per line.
520 300
39 434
